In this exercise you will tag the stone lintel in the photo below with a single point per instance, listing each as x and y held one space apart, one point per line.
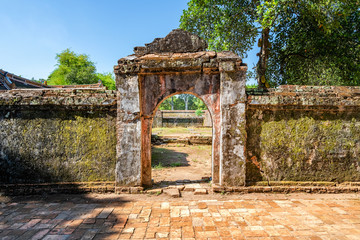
207 62
81 99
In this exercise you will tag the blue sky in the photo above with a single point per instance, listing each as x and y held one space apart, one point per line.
33 32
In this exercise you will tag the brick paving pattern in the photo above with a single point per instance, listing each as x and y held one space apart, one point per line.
183 219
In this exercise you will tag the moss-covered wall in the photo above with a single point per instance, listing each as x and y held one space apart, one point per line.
59 142
301 140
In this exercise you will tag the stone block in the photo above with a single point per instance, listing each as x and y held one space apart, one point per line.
200 191
173 192
156 191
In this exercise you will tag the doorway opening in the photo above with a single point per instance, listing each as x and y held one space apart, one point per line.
181 141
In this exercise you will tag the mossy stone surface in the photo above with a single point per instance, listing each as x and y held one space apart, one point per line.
293 145
57 146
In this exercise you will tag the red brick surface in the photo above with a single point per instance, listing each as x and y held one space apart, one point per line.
265 218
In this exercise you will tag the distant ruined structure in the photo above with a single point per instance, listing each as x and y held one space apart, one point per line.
9 81
291 133
181 118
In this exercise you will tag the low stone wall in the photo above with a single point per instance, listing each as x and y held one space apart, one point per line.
294 133
304 133
181 118
57 135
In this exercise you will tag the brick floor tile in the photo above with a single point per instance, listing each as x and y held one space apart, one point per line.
56 237
264 219
165 221
206 234
175 232
30 224
209 228
89 221
188 232
40 234
77 234
129 230
56 231
107 236
315 238
254 233
162 235
224 233
16 226
125 236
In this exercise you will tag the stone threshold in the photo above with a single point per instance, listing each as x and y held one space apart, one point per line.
291 187
110 187
189 140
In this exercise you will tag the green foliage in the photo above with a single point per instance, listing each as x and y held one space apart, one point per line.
107 79
251 86
198 104
159 166
224 24
315 42
172 103
178 101
199 112
176 164
73 68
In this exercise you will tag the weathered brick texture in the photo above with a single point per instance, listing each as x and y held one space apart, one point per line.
304 133
57 135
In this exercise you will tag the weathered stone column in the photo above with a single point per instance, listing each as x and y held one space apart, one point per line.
128 149
233 134
146 180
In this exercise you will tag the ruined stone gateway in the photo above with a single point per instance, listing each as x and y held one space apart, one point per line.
288 135
174 65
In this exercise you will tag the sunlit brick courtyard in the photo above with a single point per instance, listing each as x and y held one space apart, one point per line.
214 216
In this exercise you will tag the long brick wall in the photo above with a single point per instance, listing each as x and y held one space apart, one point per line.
57 135
294 133
304 133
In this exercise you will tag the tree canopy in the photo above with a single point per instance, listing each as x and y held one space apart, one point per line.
75 69
301 41
178 102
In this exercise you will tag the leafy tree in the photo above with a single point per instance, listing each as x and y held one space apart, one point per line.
178 102
73 69
312 33
107 79
172 103
316 44
186 98
198 104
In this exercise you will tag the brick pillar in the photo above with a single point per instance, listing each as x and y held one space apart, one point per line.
128 149
233 133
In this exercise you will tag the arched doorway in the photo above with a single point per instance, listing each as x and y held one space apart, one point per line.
179 64
156 88
181 141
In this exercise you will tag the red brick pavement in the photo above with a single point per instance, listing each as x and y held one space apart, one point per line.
271 217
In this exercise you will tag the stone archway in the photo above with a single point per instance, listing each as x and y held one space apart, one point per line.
179 63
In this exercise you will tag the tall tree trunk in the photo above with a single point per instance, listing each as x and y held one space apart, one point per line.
186 100
263 57
172 103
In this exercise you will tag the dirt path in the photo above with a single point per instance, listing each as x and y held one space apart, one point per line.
182 131
179 162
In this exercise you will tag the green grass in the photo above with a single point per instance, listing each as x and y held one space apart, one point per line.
159 166
251 86
176 164
181 130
